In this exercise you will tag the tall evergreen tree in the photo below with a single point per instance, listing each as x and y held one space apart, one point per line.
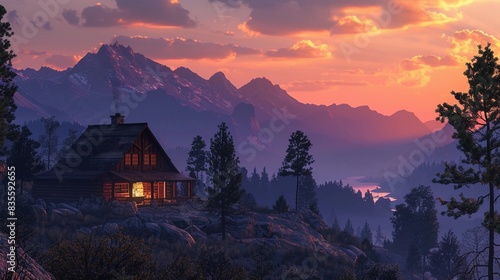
379 237
225 176
197 161
197 157
476 120
24 157
8 130
281 206
297 161
335 225
255 179
49 140
416 222
368 198
264 179
366 232
348 227
307 192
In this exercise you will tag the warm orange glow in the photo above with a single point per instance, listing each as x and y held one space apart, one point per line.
389 55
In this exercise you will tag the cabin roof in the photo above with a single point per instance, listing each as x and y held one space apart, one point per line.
100 148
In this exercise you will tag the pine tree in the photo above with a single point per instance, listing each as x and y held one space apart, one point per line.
335 225
197 157
226 177
281 206
24 157
366 232
348 227
8 130
379 237
368 198
264 179
255 179
476 120
197 161
416 222
307 192
297 160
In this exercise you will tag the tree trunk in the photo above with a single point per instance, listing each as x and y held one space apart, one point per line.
297 194
491 230
223 213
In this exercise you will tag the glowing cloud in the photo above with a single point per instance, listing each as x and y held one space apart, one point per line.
429 61
302 49
466 41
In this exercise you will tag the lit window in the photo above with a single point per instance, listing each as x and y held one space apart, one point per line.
135 159
153 159
146 159
128 159
138 189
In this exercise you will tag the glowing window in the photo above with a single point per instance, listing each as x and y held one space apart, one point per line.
137 189
153 159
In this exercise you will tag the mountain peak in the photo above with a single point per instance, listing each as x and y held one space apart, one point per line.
116 50
218 76
403 113
261 82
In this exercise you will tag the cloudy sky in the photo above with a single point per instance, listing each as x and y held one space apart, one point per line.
387 54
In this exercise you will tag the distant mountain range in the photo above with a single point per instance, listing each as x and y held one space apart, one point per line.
179 104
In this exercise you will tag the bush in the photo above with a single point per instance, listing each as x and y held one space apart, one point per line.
111 256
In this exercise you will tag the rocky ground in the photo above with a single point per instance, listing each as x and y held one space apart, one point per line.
188 224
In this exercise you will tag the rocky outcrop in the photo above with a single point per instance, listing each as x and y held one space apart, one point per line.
188 223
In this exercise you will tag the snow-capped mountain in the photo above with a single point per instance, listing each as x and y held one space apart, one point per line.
179 104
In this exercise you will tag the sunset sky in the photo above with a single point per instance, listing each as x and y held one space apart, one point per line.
389 55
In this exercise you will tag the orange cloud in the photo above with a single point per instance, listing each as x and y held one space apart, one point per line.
446 4
414 78
353 24
428 61
466 41
292 17
419 15
302 49
248 31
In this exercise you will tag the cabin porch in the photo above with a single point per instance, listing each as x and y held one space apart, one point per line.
145 187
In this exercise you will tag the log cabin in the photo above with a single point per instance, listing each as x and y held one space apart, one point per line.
120 161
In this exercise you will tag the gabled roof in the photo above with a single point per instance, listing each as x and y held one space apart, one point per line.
99 149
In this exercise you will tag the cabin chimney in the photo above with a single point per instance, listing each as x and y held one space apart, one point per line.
117 119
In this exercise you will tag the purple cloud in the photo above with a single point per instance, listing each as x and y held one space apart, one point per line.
154 12
179 48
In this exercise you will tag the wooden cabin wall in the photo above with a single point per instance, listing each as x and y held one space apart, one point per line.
52 190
